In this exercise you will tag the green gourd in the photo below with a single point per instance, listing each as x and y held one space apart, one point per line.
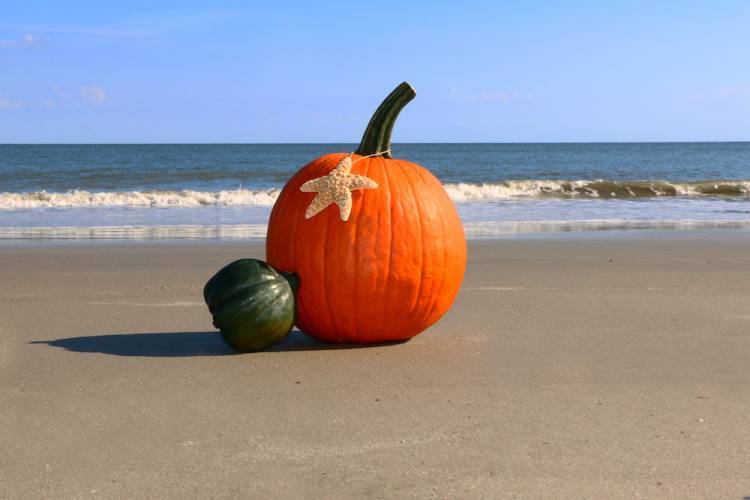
252 304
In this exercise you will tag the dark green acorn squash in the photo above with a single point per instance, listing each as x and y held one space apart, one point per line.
251 303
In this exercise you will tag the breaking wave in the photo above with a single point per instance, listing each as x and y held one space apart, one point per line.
594 189
153 199
461 192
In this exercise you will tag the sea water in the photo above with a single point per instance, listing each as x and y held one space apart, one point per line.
227 190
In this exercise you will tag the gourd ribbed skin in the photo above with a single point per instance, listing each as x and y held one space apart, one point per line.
389 272
252 304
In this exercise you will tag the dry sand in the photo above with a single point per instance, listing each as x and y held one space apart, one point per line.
568 368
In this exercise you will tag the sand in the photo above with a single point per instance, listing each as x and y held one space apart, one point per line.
593 367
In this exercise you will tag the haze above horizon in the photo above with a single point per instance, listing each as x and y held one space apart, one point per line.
239 72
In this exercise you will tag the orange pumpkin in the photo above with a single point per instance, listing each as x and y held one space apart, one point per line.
390 267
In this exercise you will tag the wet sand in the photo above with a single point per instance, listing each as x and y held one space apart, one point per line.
573 367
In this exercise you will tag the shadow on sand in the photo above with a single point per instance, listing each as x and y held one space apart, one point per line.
168 345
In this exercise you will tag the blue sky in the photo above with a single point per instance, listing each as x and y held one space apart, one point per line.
494 71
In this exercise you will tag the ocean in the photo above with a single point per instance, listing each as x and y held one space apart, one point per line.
226 191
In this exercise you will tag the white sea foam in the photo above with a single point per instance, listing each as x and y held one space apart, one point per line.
503 191
153 199
162 232
461 192
599 188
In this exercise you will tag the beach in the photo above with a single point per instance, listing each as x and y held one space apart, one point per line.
579 366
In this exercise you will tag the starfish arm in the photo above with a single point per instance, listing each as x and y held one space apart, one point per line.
315 185
320 201
344 202
336 187
345 165
360 182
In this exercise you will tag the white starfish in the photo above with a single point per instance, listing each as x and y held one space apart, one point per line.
336 187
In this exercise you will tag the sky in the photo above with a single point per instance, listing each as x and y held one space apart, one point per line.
259 72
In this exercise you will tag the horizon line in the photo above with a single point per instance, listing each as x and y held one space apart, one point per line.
232 143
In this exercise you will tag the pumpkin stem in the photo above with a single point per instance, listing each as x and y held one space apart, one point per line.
377 136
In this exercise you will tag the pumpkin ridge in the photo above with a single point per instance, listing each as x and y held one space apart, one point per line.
297 261
415 198
389 219
433 293
402 299
305 255
327 306
444 246
378 222
290 252
356 259
348 242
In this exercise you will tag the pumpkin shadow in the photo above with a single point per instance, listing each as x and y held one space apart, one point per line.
300 341
177 344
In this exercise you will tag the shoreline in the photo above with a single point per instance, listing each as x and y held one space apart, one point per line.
734 233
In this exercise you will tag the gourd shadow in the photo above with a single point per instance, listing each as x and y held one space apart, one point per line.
187 344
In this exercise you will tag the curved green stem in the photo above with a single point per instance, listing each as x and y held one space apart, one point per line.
377 136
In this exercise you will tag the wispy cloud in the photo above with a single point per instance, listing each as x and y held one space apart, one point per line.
102 31
6 103
59 91
736 95
97 31
93 94
741 91
25 41
61 97
488 96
